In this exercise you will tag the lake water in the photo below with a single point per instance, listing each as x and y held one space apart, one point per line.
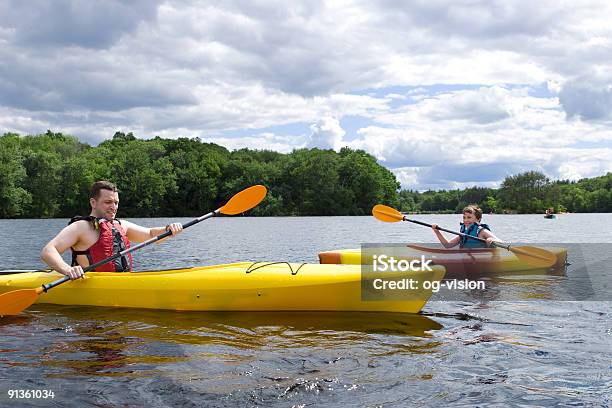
474 351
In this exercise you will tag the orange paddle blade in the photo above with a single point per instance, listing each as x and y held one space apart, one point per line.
386 213
244 200
12 303
540 256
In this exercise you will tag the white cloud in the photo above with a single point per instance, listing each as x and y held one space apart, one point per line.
96 25
588 97
326 134
401 147
440 90
396 96
443 141
262 141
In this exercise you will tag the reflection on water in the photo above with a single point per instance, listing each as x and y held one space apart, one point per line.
101 341
487 352
277 356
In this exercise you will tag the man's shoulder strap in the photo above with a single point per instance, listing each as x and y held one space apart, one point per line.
89 218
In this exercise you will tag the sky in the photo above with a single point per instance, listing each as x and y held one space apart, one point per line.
446 94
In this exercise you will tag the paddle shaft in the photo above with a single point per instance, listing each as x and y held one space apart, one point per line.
497 244
129 250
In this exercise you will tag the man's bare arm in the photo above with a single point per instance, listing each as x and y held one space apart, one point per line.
137 233
51 254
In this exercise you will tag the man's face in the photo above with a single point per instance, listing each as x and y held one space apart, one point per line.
106 205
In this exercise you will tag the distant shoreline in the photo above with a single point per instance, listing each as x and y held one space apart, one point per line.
49 176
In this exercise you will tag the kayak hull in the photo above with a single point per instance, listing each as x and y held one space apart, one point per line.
231 287
459 263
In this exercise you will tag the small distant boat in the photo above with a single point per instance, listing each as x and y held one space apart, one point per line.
550 216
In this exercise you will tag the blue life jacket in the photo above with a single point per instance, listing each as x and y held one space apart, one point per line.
472 230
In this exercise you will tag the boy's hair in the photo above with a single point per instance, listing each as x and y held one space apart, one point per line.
101 185
474 209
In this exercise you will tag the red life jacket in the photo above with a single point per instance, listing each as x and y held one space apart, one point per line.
112 239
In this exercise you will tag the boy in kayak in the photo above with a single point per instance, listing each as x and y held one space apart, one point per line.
472 214
99 236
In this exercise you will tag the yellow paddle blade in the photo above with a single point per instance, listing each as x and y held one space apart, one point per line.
386 214
535 256
12 303
244 200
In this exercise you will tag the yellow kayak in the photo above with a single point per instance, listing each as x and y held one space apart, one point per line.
459 263
245 286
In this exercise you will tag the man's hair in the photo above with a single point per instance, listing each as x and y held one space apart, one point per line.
473 209
101 185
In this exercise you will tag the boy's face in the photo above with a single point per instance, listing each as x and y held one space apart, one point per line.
469 218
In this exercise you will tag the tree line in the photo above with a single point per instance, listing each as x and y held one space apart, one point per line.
525 193
49 175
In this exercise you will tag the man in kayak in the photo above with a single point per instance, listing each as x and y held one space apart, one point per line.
99 236
472 214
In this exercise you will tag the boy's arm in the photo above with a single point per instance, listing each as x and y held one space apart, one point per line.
489 236
446 243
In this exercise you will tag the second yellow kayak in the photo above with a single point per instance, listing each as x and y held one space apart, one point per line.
459 263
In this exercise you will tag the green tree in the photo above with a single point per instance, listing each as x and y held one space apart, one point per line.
524 192
197 167
43 169
49 175
313 176
143 174
14 198
77 175
367 182
408 201
491 205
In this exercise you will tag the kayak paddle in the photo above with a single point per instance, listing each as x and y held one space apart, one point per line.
537 256
12 303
